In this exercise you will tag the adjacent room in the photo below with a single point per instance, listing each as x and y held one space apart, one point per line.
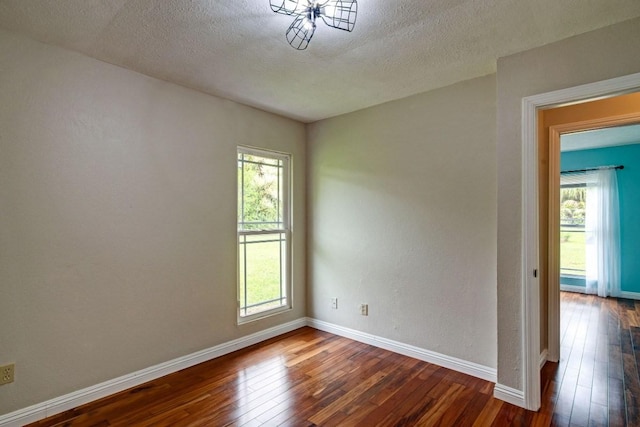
597 265
282 212
615 150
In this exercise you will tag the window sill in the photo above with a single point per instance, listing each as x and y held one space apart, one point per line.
263 315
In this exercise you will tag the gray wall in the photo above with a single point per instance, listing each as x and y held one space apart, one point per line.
598 55
402 216
118 219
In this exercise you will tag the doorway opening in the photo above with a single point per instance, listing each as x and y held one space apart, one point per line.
597 118
537 307
580 337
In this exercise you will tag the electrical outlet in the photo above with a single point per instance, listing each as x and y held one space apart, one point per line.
6 373
334 303
364 309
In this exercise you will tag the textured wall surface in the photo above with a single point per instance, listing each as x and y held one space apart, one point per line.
603 54
402 205
118 219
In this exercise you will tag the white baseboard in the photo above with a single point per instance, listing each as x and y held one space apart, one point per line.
509 395
630 295
543 357
573 288
72 400
89 394
469 368
583 290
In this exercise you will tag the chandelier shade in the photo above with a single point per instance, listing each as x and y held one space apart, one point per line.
340 14
300 32
288 7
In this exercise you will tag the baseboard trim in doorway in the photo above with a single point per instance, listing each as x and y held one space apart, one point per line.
583 290
543 357
509 395
630 295
573 288
77 398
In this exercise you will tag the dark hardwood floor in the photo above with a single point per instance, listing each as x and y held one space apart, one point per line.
313 378
596 381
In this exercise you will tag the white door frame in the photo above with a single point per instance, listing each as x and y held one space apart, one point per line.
530 237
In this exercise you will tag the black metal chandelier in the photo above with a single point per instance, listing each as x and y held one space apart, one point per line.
339 14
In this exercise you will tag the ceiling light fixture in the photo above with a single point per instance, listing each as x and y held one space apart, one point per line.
339 14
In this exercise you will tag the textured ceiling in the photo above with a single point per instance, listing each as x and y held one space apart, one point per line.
237 50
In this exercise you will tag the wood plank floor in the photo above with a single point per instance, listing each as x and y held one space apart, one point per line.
596 381
312 378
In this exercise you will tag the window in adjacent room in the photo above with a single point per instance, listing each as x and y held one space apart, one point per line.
263 233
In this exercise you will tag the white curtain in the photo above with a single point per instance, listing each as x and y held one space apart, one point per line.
602 227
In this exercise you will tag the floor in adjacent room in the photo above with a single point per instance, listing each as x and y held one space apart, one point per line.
596 382
313 378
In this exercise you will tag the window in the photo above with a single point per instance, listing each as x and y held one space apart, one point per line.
263 233
573 199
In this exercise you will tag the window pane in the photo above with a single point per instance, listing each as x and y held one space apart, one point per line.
572 233
572 205
261 270
260 192
572 252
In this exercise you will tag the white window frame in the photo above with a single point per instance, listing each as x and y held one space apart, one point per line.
286 268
